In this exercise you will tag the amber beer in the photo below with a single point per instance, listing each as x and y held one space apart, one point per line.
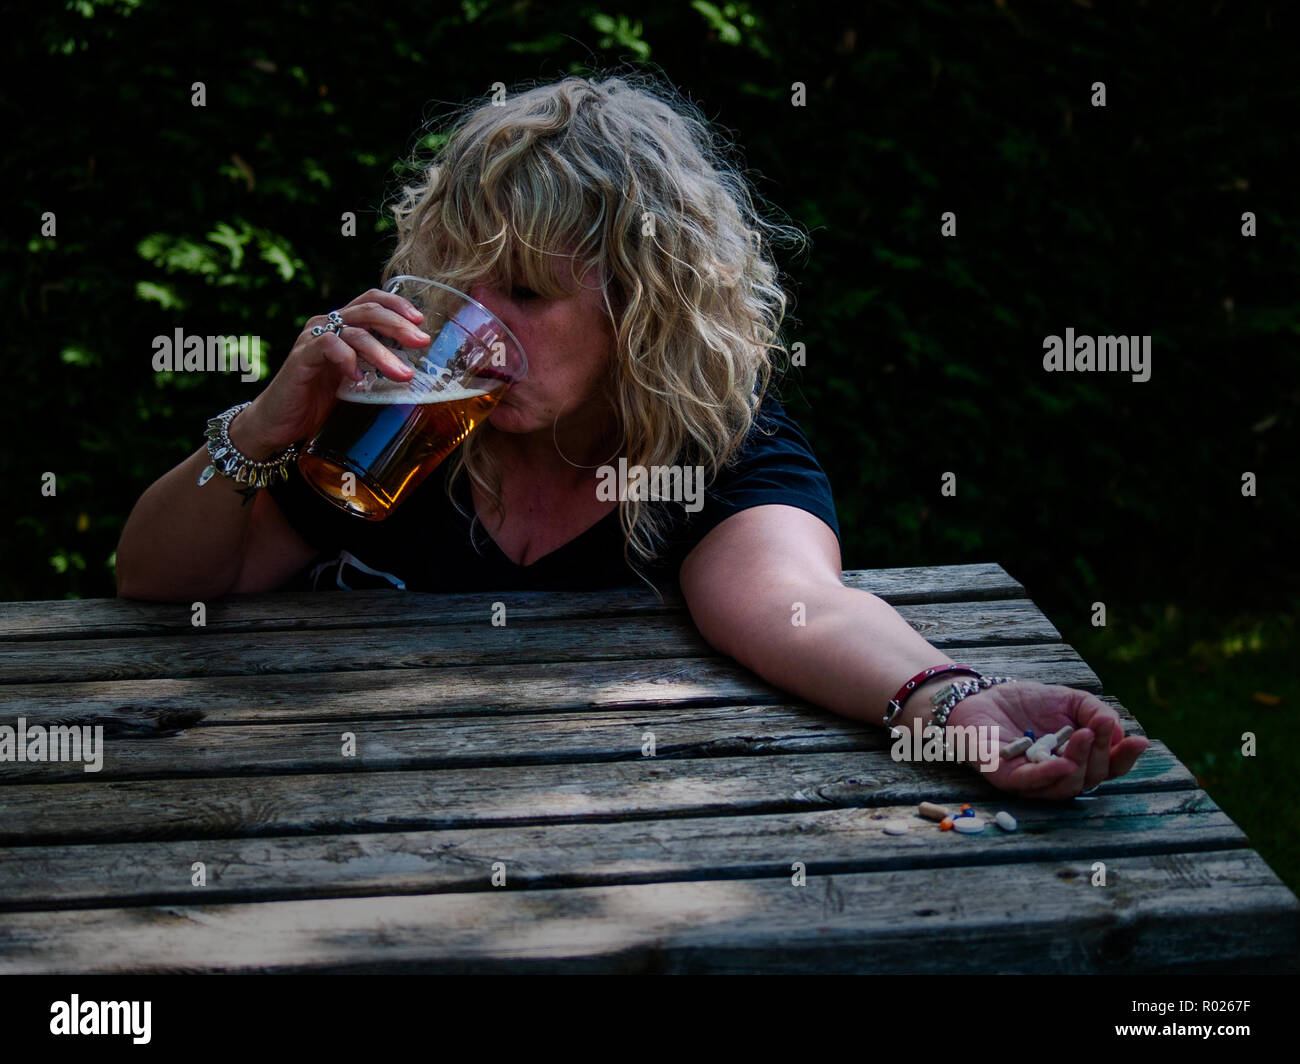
390 443
385 436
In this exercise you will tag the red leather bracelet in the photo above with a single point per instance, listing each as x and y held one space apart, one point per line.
895 706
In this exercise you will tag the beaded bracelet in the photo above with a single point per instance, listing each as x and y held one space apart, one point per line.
228 460
945 699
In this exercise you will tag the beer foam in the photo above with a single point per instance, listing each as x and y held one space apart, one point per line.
391 393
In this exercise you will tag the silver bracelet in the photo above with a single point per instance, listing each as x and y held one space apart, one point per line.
229 461
944 699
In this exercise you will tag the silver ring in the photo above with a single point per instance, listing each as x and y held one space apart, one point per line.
335 325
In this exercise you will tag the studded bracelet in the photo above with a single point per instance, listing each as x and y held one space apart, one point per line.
230 462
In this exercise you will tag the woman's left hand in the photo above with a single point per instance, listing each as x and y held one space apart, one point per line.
1097 751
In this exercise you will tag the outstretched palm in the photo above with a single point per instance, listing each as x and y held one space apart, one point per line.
1097 751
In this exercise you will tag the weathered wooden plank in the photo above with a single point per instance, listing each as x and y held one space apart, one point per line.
1157 910
567 855
88 618
204 653
936 583
148 707
232 807
448 742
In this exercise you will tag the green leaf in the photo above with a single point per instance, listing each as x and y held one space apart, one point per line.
232 241
164 295
77 355
621 32
279 258
727 32
315 173
177 254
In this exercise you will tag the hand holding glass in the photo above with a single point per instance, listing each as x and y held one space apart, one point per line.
384 437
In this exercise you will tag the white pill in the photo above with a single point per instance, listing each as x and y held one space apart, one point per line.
1006 821
968 825
1042 749
896 827
1062 738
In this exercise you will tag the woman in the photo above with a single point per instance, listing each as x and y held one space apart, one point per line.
599 221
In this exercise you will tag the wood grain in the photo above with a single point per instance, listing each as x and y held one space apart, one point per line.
203 653
461 797
93 618
447 742
522 744
556 855
160 704
1155 911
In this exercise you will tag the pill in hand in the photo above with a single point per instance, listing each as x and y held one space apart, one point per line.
1017 747
1042 748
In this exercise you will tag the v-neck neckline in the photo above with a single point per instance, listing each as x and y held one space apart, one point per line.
467 496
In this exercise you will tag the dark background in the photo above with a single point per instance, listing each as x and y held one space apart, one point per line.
924 353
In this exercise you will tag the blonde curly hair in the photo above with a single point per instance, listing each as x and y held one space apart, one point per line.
576 168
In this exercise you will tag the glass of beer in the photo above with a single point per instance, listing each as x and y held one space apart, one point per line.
384 437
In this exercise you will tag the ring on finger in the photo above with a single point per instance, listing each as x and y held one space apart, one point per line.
334 324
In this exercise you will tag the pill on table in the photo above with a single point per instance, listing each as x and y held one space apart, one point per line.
1062 737
933 812
967 811
1016 748
969 825
1006 821
896 827
945 824
1042 748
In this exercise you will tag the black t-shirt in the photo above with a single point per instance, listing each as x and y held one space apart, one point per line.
425 545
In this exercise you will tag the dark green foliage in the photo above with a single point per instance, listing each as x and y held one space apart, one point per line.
924 352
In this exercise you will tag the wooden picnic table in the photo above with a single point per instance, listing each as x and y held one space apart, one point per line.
485 751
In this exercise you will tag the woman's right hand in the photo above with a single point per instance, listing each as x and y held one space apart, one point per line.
298 399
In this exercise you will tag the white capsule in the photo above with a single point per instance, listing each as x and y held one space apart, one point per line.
1016 747
968 825
1006 821
896 827
1042 749
1062 737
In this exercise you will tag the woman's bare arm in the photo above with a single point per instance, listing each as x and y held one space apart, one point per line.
184 542
742 583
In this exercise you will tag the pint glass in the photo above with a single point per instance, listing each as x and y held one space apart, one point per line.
384 437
